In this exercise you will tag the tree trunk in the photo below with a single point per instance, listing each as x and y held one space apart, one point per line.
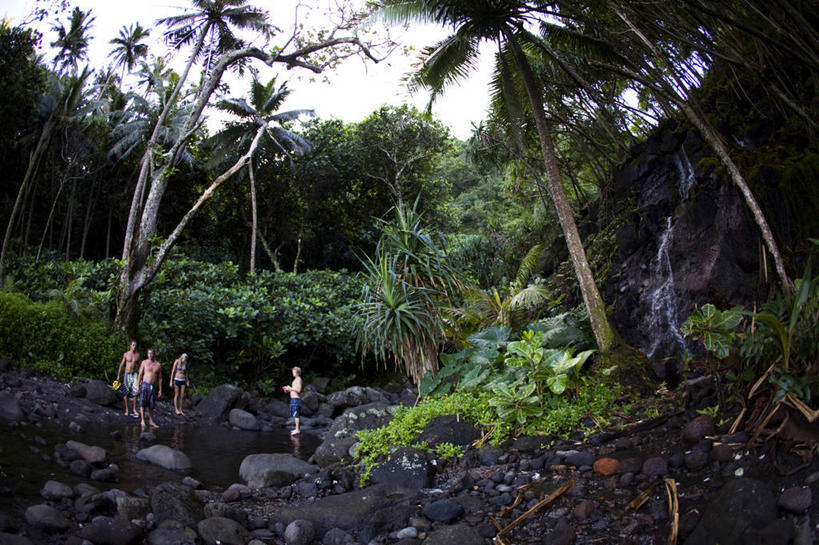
603 333
254 219
108 232
50 217
69 223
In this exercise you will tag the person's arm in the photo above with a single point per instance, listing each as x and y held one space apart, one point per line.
159 380
170 382
139 376
121 363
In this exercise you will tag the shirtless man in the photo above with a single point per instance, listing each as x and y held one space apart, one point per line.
295 399
129 360
149 380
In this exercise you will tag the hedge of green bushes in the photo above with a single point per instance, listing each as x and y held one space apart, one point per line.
50 337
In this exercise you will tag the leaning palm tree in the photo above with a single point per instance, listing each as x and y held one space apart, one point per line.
506 23
72 43
265 100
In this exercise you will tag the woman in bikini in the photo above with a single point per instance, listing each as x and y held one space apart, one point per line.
179 379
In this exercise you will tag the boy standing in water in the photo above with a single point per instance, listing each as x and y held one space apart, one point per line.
129 360
150 377
295 400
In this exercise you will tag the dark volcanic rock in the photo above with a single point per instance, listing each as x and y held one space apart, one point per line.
406 467
448 429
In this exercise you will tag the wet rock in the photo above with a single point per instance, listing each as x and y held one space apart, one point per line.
46 518
100 393
219 401
106 475
171 532
796 499
164 456
235 492
92 455
332 451
606 466
223 530
94 504
226 510
10 408
697 429
131 508
406 467
14 539
264 470
655 466
81 468
243 420
370 511
577 459
736 514
443 511
174 501
299 532
110 531
55 491
462 534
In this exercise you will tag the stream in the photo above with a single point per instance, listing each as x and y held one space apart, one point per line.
27 456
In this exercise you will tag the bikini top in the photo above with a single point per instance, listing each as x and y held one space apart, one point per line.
180 366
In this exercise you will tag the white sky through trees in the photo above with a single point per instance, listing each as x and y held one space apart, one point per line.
350 93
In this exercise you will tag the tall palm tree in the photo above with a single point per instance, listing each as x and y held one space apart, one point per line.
506 23
72 43
265 100
128 47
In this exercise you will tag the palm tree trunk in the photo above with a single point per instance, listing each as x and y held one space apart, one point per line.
50 217
42 143
603 333
69 220
87 223
254 220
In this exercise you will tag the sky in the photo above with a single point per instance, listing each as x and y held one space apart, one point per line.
351 92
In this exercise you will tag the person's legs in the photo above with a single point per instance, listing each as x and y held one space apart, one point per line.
181 399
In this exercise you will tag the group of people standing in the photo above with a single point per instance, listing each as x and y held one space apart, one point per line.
145 383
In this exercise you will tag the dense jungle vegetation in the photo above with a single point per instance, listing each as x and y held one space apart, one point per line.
473 267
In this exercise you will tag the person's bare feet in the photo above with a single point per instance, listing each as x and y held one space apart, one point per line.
154 425
142 425
180 412
295 432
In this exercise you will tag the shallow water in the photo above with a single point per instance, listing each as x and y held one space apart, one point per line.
216 452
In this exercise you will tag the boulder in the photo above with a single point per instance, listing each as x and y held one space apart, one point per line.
443 511
164 456
243 420
264 470
299 532
100 392
55 491
174 501
332 451
737 514
355 396
132 508
462 534
14 539
221 530
10 408
448 429
92 455
111 531
172 532
406 467
371 511
219 401
46 518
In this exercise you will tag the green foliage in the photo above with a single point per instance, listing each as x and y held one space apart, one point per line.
48 337
716 329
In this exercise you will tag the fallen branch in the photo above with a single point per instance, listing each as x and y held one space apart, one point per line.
638 502
550 498
673 510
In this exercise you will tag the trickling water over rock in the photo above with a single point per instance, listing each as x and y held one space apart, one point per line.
689 240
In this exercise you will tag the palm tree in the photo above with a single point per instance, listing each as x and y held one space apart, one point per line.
504 22
265 99
72 42
128 49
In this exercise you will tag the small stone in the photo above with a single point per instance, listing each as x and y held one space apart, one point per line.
796 499
583 510
443 511
606 466
299 532
409 532
697 429
721 452
695 460
655 467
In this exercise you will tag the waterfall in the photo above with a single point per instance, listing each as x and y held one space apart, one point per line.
663 315
663 328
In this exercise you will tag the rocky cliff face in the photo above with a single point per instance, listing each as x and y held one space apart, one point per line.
689 240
